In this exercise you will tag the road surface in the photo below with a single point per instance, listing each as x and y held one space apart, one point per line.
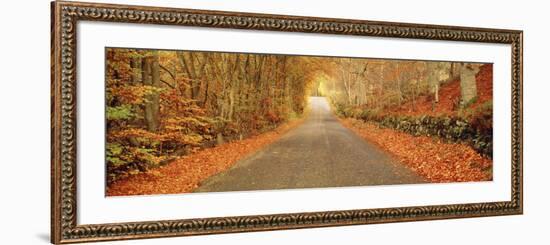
320 152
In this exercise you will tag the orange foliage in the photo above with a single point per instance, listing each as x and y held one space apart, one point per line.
449 97
186 173
430 158
484 82
128 94
133 133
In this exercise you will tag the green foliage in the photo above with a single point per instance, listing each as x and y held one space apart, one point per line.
481 119
345 111
467 104
123 112
114 151
123 160
164 104
133 150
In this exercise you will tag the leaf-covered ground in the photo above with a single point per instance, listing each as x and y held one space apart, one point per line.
431 158
186 173
449 94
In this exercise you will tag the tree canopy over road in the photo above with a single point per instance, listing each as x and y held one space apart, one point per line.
163 106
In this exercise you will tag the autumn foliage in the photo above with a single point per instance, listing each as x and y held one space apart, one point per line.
175 118
449 95
434 132
162 105
187 172
431 158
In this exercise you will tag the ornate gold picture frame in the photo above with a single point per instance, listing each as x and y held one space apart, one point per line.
64 187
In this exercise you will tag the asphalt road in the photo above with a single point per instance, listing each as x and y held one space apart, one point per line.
320 152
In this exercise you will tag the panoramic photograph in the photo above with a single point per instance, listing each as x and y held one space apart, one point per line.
182 121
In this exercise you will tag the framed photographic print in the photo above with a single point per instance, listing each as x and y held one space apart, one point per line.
175 122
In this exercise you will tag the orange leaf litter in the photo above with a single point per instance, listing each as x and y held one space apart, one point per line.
430 158
186 173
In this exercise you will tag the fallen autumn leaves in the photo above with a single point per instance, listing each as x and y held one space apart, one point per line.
186 173
430 158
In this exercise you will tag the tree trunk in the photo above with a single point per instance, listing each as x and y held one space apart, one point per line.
231 102
452 73
399 90
433 80
380 86
234 83
134 75
151 77
468 86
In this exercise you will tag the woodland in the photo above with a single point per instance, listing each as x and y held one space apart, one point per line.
165 106
162 104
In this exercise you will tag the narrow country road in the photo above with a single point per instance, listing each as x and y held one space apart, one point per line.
318 153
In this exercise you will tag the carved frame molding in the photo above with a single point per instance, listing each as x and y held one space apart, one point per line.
65 16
